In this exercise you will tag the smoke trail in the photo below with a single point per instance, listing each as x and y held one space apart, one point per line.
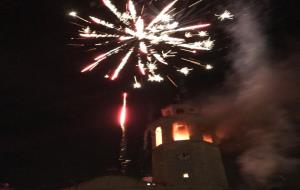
257 113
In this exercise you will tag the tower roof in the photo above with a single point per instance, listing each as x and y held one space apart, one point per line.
178 109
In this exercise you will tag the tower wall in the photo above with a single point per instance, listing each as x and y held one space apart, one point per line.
186 164
200 160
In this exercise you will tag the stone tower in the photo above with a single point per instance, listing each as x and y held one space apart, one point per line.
184 154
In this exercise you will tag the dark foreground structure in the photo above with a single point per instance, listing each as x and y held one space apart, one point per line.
185 156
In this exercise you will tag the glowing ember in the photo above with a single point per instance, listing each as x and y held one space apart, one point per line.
135 34
180 132
208 67
185 175
207 138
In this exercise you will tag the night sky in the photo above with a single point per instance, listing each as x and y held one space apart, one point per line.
59 126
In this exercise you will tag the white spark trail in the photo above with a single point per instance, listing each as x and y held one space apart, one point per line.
74 14
136 83
196 3
103 23
94 35
141 65
172 81
160 58
101 58
188 28
114 10
122 64
143 47
161 14
207 66
132 10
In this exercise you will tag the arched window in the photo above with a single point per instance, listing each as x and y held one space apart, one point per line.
158 136
180 132
207 138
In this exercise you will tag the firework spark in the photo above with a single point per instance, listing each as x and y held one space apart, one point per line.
225 15
136 84
185 70
135 34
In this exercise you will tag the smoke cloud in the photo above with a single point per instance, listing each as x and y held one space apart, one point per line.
258 108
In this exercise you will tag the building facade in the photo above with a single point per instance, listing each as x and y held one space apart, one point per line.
185 156
184 152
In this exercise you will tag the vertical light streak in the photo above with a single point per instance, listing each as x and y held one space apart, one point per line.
139 26
123 115
123 145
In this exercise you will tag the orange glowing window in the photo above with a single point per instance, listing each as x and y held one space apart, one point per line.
180 132
158 136
207 138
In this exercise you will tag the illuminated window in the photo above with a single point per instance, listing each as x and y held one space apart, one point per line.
185 175
180 132
158 136
207 138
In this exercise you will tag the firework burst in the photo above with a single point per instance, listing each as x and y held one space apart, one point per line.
134 34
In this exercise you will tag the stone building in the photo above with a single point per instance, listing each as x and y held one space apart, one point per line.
184 156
